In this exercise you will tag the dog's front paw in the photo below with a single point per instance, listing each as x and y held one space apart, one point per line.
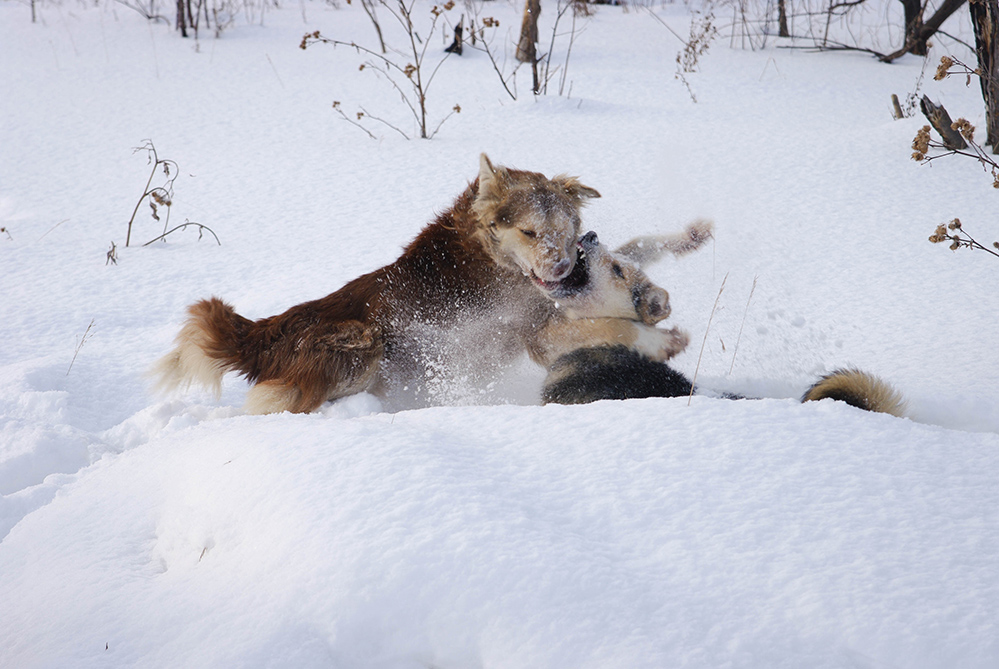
661 345
675 341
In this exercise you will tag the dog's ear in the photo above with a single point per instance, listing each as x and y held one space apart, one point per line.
491 179
574 189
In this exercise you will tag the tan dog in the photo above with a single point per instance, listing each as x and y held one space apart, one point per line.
613 285
607 286
509 232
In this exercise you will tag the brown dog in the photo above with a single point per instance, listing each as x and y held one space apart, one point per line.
507 233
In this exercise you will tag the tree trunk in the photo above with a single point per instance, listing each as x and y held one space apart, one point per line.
181 23
917 30
782 30
526 49
913 25
985 19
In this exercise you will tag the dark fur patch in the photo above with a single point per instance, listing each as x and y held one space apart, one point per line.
610 373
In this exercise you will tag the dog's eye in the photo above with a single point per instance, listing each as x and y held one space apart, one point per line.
617 270
531 234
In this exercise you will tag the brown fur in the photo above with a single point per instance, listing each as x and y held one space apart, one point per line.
474 259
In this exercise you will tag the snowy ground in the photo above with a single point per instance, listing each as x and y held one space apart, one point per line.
146 531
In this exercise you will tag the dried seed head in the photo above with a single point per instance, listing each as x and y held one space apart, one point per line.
939 235
409 70
942 68
921 142
955 246
955 224
918 157
964 127
490 22
457 109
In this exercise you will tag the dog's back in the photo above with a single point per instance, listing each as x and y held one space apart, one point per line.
610 373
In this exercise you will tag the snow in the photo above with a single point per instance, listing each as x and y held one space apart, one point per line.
138 530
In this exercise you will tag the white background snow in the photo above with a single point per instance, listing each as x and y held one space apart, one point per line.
176 532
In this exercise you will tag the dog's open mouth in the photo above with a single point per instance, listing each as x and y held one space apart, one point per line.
577 280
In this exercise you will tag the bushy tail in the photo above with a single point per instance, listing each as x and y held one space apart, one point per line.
208 346
859 389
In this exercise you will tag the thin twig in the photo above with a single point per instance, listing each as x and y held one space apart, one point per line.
383 122
666 25
697 368
492 59
201 229
454 110
53 228
336 108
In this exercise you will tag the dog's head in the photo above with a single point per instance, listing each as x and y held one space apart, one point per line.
604 285
529 222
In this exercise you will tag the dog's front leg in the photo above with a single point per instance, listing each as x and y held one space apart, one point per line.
562 336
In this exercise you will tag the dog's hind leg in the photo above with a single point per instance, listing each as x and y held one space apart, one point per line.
650 248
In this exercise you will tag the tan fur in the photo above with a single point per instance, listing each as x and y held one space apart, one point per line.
859 389
563 335
529 223
470 263
619 305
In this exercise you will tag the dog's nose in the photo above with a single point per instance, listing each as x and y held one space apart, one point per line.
589 240
562 268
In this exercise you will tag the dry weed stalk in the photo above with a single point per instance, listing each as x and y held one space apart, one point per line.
697 368
743 324
157 196
478 34
702 32
954 233
408 76
83 340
